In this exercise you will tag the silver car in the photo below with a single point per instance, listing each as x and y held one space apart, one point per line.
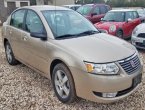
62 45
138 36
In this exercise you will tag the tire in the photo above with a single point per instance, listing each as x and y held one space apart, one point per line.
9 54
119 33
63 84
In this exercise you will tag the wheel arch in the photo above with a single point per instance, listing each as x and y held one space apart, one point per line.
55 62
120 29
5 40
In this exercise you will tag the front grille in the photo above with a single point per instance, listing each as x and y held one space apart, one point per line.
140 44
131 64
141 35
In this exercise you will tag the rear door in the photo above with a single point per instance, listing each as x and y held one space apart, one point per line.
14 32
96 15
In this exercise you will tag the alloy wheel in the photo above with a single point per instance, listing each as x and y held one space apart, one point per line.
62 84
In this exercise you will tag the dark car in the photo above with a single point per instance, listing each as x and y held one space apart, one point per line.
94 12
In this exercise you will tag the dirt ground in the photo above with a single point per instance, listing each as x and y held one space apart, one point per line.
23 89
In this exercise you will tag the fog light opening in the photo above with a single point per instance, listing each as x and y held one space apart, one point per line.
133 42
109 95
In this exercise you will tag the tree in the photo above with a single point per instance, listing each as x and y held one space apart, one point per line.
88 1
126 3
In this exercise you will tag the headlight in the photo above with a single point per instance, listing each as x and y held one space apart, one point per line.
134 33
104 31
102 69
112 28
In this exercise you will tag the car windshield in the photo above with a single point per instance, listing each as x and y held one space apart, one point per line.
84 10
68 23
114 17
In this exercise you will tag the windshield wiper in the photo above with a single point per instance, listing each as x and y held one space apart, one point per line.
103 20
66 36
90 32
112 20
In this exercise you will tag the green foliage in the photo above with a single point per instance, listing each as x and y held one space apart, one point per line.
88 1
126 3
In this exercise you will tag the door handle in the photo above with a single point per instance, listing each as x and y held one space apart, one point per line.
25 38
10 31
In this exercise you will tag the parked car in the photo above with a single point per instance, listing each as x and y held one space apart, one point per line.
94 12
138 36
141 12
119 23
65 47
73 7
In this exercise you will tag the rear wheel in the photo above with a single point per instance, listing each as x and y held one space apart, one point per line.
119 33
9 54
63 84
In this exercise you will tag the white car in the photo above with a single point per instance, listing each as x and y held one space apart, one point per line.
138 36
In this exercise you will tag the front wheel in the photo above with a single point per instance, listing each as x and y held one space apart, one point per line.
63 84
119 34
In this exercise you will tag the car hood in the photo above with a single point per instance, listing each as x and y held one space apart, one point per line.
98 48
106 25
141 28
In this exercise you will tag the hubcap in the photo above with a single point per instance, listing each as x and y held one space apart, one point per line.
62 84
8 53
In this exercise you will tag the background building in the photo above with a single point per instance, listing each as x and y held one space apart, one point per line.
54 2
7 6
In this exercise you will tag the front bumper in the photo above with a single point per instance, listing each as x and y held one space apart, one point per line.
87 85
138 42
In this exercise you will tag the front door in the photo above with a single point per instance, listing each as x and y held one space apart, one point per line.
35 48
130 25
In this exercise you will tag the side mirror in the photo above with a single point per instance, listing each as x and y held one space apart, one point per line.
102 19
42 36
129 20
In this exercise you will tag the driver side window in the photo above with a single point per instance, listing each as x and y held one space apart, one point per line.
33 23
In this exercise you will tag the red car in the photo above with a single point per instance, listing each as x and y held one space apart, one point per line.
119 22
94 12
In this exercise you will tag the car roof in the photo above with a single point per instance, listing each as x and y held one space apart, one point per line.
122 10
45 7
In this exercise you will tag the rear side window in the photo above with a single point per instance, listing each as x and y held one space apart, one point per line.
84 10
96 10
131 15
103 10
33 23
17 19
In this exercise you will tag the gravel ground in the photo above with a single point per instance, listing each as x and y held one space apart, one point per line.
23 89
